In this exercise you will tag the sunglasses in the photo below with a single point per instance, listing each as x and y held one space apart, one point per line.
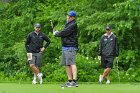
37 27
108 29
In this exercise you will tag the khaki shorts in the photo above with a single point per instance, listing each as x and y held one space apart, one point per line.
36 59
68 57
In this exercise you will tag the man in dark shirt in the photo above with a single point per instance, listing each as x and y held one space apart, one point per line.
69 39
34 48
108 50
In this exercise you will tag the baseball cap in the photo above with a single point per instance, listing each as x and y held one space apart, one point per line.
37 25
72 13
108 27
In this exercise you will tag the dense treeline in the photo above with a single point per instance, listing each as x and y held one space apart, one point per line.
17 18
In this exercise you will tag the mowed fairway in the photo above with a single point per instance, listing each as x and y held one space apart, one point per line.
55 88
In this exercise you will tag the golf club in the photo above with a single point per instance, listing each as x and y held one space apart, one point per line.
52 25
118 70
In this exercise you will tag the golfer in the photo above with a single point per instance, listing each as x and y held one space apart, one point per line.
69 39
108 50
34 47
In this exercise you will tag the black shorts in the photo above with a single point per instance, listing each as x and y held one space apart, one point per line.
107 62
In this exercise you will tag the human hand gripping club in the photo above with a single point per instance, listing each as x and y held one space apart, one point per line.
99 57
54 32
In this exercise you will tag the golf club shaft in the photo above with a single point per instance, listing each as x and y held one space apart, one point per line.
52 25
118 70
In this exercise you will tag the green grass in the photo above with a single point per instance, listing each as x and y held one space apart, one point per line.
55 88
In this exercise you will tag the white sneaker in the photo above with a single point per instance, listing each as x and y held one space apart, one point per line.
40 77
100 79
34 82
108 82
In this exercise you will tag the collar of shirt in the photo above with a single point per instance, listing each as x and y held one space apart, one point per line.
108 35
70 22
36 32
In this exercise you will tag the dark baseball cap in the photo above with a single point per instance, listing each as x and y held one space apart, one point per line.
37 25
108 27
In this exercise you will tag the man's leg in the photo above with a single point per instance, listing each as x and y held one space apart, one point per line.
67 68
35 63
33 66
34 77
106 75
108 69
36 74
74 71
38 64
69 72
36 71
68 57
103 65
108 79
106 72
72 75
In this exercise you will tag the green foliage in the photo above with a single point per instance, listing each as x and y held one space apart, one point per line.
18 17
88 69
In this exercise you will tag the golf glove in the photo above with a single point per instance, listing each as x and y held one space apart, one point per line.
117 58
99 57
42 49
55 32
